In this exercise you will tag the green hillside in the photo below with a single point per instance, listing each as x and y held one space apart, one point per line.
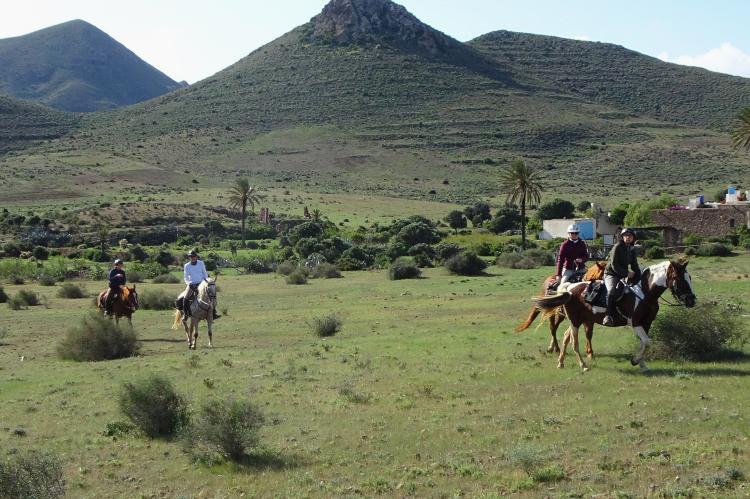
23 124
613 75
365 98
74 66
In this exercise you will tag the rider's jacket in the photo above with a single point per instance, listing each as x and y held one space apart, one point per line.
194 274
569 251
622 256
116 278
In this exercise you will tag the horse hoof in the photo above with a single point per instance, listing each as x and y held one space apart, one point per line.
585 369
634 362
560 365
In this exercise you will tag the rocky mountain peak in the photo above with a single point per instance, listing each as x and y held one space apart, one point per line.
377 21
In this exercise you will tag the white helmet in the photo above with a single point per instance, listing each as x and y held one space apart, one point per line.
574 228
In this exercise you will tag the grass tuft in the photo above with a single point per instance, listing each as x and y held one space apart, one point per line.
154 406
98 338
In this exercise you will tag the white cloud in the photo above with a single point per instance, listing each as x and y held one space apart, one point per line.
725 59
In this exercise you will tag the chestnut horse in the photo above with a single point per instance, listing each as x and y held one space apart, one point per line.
594 273
639 306
201 308
124 306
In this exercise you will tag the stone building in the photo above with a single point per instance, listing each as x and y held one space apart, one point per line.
711 220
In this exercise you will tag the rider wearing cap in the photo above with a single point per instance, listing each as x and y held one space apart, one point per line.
116 279
195 273
621 256
572 255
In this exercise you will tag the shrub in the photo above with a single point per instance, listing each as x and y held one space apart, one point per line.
165 279
328 325
224 429
156 300
3 295
163 258
540 257
326 270
655 252
713 249
40 252
416 233
466 263
557 208
286 268
32 474
297 276
403 268
70 290
443 251
98 338
28 298
704 332
96 255
506 218
154 405
135 276
46 280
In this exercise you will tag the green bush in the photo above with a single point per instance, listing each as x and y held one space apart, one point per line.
708 331
286 267
403 268
156 300
154 405
443 251
135 276
40 252
325 326
466 263
72 291
298 276
28 298
31 475
165 279
224 429
541 257
98 338
326 271
713 249
655 252
3 295
96 255
46 280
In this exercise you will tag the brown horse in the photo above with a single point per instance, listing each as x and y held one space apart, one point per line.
639 306
594 273
124 306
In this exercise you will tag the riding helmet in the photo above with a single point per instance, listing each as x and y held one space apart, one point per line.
192 252
117 261
627 230
574 228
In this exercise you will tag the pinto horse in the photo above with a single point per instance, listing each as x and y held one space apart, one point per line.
124 306
594 273
639 306
201 308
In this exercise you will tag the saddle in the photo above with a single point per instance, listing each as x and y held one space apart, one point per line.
596 293
553 286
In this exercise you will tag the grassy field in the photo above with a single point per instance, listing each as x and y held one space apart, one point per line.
425 392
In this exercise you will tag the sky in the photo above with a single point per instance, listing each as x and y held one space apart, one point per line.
193 39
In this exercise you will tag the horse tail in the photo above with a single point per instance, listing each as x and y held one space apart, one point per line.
532 316
177 319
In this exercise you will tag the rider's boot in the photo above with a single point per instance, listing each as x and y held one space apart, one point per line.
108 304
185 309
612 314
216 316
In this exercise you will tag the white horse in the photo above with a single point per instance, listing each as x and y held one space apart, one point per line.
202 308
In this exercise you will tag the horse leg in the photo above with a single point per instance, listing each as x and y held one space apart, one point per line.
589 328
574 335
566 340
194 327
554 323
187 331
643 337
210 323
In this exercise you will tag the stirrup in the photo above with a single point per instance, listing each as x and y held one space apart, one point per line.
608 321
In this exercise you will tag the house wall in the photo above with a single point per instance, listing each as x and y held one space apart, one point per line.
721 220
559 228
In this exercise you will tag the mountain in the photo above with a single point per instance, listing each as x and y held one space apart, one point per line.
74 66
25 123
366 98
612 75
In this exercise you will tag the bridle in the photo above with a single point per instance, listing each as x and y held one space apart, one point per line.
211 292
677 296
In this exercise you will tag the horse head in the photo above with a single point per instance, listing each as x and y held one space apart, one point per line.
207 291
679 282
132 298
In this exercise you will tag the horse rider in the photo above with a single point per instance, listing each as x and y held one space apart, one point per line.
116 280
621 256
195 273
572 256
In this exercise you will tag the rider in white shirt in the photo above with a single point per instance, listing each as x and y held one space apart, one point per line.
194 273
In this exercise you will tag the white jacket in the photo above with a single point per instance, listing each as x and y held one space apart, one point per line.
194 274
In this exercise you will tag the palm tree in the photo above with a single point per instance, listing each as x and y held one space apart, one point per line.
240 195
522 184
741 134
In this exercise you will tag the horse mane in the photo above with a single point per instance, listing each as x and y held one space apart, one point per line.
203 289
595 272
124 293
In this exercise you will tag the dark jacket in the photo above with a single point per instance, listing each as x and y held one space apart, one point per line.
569 251
116 278
622 256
